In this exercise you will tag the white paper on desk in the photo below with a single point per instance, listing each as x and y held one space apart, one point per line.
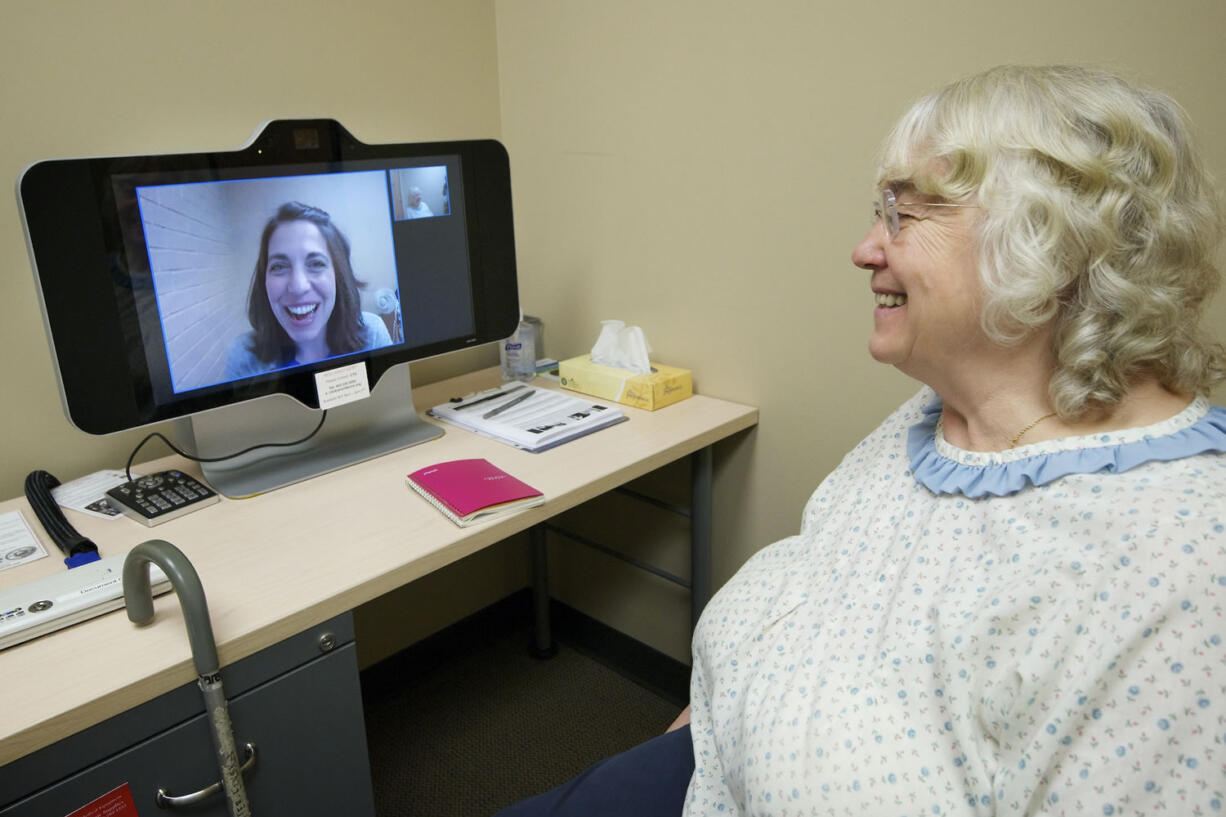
88 493
18 544
545 419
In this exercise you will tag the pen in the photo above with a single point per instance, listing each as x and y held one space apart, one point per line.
506 405
494 396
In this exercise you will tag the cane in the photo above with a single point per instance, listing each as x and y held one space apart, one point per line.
139 601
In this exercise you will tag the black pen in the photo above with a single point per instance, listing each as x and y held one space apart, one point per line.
494 396
506 406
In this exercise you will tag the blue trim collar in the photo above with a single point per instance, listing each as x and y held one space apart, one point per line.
946 469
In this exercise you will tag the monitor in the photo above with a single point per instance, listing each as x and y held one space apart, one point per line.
239 293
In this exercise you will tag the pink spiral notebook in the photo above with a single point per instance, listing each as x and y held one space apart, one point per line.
469 491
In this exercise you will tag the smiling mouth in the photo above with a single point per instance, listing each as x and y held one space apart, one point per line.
301 313
889 300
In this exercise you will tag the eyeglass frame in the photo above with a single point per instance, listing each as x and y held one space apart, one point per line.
886 210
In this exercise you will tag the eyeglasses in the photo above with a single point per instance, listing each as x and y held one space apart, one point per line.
886 210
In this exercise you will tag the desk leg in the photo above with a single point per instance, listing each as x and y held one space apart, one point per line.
543 645
701 506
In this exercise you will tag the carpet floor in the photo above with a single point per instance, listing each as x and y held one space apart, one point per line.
468 722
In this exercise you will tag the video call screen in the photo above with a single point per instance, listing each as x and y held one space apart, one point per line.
209 314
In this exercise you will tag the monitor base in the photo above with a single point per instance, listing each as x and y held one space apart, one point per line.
384 422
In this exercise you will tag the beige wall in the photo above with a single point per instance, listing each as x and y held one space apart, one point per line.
703 169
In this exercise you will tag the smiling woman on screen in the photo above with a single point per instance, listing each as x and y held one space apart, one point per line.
304 302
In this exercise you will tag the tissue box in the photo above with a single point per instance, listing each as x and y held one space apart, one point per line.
665 384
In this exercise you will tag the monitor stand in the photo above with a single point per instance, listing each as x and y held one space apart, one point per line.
384 422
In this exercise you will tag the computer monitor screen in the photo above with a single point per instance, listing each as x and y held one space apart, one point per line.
253 276
176 284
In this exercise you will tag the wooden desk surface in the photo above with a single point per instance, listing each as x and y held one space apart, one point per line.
275 564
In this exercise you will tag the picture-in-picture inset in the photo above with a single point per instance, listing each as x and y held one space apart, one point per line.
420 192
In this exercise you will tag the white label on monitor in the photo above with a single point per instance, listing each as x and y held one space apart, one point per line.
336 387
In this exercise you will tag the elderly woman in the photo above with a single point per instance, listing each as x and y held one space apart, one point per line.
416 207
1008 598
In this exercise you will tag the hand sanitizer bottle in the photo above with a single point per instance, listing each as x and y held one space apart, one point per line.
518 352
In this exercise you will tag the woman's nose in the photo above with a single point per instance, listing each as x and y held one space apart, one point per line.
870 252
298 282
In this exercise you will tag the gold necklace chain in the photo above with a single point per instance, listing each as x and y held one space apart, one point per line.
1022 433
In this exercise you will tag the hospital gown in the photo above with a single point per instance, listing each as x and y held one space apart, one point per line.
1037 631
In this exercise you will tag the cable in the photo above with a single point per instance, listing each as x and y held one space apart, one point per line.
127 469
77 548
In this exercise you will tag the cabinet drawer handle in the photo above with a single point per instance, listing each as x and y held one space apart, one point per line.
170 801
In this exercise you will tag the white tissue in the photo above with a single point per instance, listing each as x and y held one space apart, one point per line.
624 347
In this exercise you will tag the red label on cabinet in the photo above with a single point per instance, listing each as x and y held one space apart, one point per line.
117 803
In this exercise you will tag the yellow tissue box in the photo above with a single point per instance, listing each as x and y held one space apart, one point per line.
665 384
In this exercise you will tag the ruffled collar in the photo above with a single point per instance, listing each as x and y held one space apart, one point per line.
946 469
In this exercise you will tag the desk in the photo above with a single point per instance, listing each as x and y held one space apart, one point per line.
274 565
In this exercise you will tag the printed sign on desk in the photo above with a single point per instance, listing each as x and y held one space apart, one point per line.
18 544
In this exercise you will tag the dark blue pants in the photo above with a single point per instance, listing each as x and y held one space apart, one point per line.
649 780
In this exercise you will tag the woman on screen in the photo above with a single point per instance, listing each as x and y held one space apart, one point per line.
303 304
416 207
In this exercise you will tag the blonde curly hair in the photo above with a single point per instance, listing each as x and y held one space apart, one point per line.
1099 220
